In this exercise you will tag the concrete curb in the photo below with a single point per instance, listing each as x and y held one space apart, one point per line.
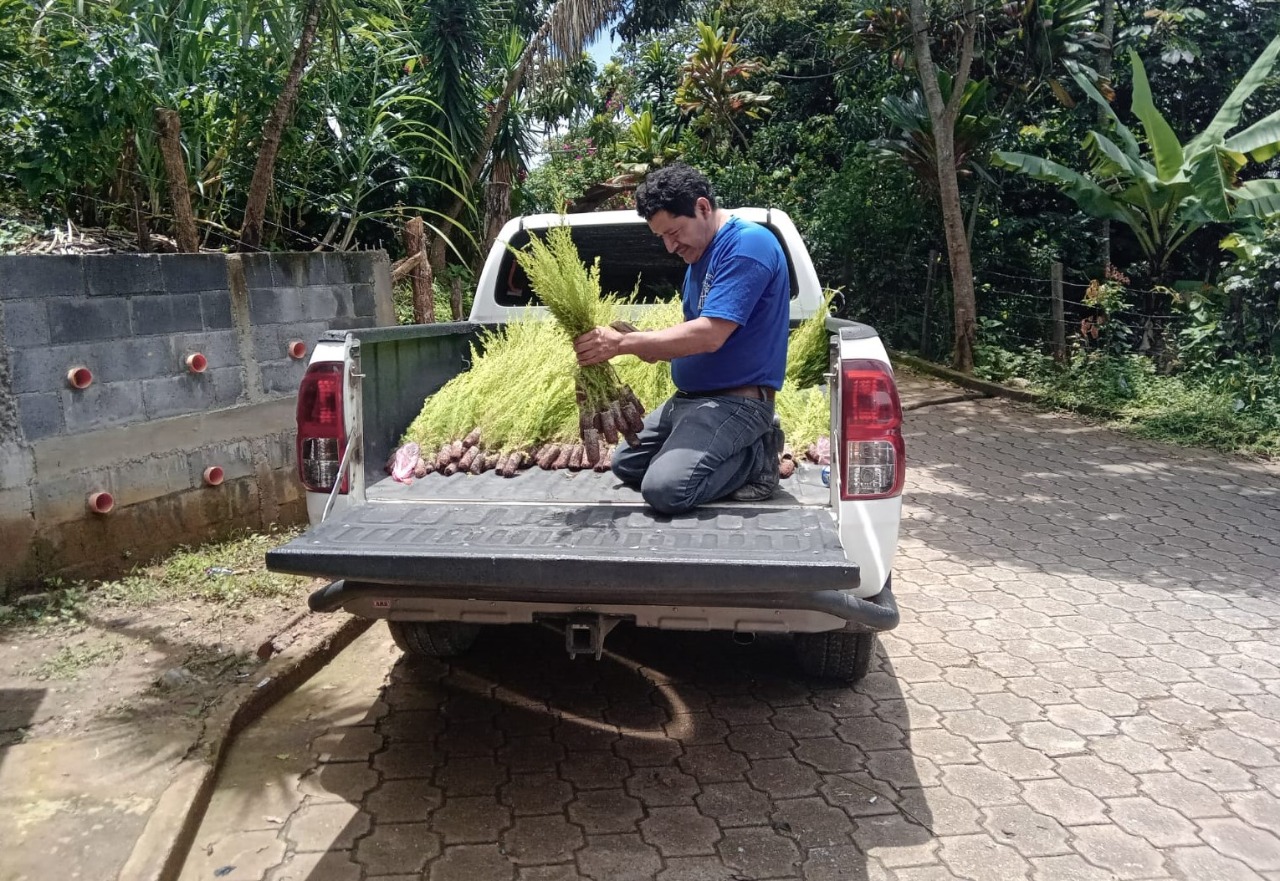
161 850
993 389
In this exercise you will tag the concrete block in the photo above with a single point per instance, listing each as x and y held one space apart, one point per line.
17 465
17 528
45 370
352 267
175 395
282 377
171 313
151 478
228 386
39 276
257 270
282 451
235 460
299 269
215 310
307 331
383 294
267 342
327 303
222 348
103 405
275 305
62 499
75 321
133 358
363 301
187 273
41 415
120 274
26 323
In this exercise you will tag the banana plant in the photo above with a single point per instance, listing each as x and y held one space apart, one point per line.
1167 193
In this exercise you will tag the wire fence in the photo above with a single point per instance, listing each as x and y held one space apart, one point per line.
913 310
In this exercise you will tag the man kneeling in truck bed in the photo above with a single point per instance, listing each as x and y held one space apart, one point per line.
717 435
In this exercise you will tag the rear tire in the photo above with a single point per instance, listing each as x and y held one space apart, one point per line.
433 639
836 654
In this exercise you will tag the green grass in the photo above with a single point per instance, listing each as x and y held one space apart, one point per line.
72 660
226 573
1178 409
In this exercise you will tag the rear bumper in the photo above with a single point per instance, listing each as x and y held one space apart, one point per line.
872 614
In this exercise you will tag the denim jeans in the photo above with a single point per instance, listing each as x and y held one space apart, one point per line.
696 449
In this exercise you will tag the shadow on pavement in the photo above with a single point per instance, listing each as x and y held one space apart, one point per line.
18 708
677 752
996 484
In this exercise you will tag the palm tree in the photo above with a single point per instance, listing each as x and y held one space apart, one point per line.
567 29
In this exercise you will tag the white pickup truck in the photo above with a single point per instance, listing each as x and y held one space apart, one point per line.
445 556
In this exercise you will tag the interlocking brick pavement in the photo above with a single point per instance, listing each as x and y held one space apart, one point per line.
1085 685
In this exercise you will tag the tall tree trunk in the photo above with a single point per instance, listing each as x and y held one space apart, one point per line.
1105 57
497 204
255 211
169 128
943 117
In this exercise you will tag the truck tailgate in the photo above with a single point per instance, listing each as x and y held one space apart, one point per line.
575 552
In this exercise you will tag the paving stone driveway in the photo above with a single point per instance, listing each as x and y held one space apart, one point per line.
1085 685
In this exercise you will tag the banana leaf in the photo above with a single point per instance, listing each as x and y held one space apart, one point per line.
1164 143
1228 116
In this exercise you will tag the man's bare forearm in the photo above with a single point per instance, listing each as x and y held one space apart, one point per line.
688 338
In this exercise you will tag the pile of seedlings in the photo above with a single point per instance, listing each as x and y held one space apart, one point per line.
525 402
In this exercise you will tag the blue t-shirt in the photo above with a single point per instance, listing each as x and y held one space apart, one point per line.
742 277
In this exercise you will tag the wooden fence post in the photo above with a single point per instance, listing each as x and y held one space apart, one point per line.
424 300
1055 308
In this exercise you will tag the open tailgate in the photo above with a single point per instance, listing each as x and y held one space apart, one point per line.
536 552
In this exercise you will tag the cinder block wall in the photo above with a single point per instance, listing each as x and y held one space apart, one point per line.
146 427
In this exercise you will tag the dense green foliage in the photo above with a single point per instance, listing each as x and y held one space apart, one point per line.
810 106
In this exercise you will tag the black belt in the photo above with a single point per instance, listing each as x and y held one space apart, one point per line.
758 392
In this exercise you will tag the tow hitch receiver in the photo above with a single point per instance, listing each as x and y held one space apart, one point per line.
584 633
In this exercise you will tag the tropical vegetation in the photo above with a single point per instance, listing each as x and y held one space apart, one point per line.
941 157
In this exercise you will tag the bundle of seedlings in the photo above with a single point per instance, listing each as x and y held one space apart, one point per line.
809 347
571 292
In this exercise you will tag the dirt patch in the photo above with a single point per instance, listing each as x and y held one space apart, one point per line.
159 648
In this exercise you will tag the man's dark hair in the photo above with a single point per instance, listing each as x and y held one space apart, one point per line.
674 189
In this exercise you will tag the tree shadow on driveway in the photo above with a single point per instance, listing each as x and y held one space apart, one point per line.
677 755
992 483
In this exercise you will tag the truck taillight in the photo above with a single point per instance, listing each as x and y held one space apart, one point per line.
872 456
321 437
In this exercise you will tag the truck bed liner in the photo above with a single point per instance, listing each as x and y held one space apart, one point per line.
571 543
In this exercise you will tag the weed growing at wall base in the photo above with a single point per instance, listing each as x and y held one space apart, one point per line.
228 573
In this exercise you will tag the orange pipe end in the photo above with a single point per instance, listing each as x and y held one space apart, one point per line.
213 476
79 377
197 363
100 502
297 348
